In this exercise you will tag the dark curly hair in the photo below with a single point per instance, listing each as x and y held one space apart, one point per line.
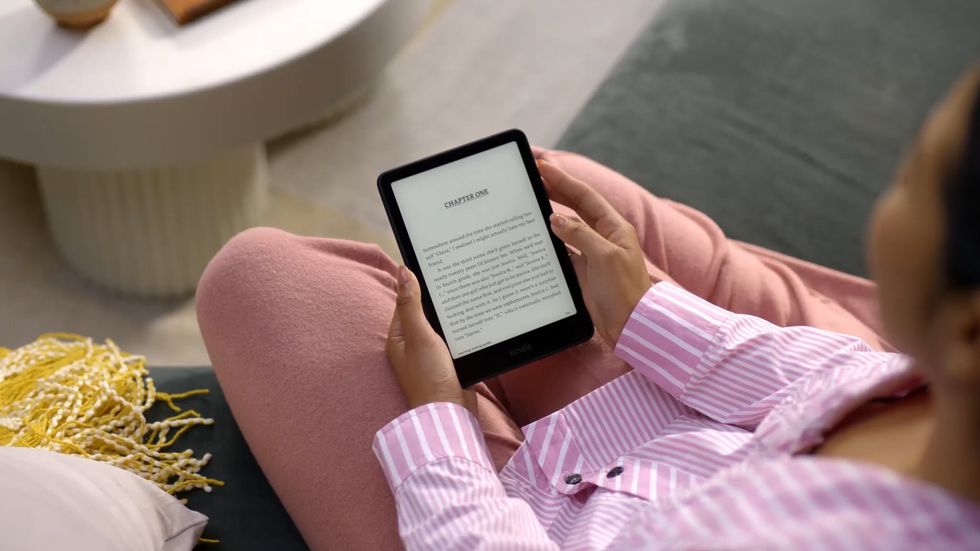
962 197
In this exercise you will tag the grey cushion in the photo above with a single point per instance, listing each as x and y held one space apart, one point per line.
781 119
245 513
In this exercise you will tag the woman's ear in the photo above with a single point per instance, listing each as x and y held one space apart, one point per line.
962 357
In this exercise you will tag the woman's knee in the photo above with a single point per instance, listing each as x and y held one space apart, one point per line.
244 269
264 280
259 259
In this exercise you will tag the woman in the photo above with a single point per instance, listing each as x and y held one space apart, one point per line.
682 425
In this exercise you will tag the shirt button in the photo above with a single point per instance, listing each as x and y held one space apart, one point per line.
573 479
614 472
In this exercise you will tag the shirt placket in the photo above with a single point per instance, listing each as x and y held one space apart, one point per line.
555 451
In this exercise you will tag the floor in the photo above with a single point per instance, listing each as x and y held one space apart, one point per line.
475 68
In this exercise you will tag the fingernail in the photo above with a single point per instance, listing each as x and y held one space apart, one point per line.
558 220
402 277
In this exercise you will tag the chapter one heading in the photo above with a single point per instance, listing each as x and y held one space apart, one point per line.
466 198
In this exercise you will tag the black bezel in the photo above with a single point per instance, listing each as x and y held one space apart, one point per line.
538 343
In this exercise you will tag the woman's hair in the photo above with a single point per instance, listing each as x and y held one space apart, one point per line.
962 195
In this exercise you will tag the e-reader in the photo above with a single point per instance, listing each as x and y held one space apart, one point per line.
497 284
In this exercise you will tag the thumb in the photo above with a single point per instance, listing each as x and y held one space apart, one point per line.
580 235
408 307
581 271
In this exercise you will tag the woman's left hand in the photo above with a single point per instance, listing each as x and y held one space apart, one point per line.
420 358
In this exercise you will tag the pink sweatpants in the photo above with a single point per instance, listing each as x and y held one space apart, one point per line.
295 327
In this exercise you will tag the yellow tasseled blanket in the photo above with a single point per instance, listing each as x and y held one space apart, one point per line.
68 394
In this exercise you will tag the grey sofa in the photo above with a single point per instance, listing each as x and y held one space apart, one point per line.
782 119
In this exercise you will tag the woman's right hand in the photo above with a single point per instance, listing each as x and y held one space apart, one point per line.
610 267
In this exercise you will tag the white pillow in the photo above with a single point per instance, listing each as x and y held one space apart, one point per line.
53 501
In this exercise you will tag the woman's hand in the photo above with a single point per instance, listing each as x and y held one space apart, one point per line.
610 267
420 359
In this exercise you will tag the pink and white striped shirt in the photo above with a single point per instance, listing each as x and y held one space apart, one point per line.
699 447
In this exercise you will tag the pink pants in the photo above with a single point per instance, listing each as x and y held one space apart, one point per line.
295 327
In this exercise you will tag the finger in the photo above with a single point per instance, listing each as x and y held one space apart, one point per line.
395 344
578 263
577 195
578 234
408 307
538 152
395 332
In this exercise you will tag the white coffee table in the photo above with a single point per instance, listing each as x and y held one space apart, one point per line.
148 137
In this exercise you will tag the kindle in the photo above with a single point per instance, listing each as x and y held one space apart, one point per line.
497 284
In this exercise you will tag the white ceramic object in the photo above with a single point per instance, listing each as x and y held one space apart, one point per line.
77 14
117 116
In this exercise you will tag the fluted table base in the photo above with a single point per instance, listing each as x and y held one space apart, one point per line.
151 231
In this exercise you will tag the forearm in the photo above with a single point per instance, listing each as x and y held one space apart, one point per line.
731 367
446 490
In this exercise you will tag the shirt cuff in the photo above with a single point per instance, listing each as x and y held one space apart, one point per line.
667 335
428 434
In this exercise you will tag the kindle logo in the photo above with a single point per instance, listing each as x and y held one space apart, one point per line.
520 350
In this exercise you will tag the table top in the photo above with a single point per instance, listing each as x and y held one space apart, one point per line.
140 53
140 91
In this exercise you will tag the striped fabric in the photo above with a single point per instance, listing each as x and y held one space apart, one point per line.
699 447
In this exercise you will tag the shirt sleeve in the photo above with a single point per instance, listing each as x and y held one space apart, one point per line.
446 490
733 368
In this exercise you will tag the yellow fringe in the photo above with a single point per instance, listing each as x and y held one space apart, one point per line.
67 394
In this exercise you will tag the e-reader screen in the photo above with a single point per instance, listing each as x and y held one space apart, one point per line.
483 248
